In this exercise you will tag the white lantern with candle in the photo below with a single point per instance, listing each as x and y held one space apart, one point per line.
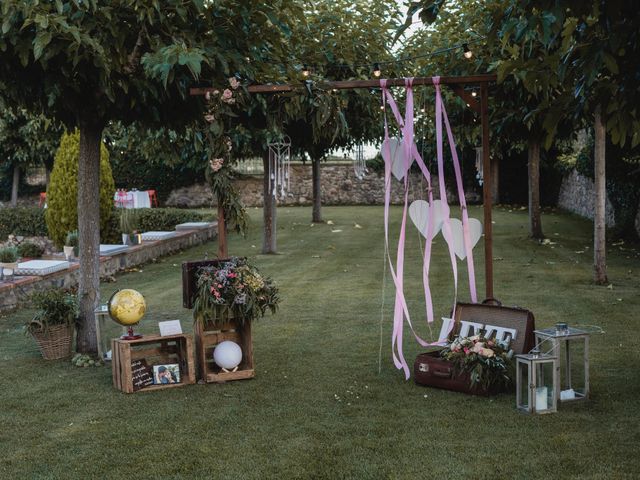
536 375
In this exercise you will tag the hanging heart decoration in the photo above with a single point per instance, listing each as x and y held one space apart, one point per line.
399 166
457 232
419 213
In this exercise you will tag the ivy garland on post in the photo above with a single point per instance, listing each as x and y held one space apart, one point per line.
218 147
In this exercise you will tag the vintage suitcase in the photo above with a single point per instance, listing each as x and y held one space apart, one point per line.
471 319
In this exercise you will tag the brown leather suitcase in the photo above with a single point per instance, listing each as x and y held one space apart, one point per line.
431 370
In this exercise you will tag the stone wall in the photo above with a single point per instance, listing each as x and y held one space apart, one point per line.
16 292
339 186
577 195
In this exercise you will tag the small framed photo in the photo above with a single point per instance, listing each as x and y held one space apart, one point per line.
166 374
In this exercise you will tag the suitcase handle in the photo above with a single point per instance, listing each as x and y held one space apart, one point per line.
492 301
442 373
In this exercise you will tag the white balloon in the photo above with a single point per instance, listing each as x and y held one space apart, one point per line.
227 355
419 213
396 147
475 232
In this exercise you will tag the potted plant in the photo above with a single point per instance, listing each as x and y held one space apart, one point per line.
52 325
8 261
229 294
128 226
233 290
71 245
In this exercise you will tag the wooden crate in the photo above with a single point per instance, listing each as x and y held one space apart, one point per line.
156 350
206 340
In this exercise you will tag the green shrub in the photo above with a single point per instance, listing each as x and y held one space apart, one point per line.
28 222
30 250
162 219
62 213
8 254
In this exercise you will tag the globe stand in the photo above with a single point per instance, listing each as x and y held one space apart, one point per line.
130 335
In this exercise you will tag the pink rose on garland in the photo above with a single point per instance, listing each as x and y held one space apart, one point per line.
216 164
233 81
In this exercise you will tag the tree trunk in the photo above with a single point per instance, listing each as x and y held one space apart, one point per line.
14 186
268 211
317 191
599 225
535 222
47 178
89 233
495 180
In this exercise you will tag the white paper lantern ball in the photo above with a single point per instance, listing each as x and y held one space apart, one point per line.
227 355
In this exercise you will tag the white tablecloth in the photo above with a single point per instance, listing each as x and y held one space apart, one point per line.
140 199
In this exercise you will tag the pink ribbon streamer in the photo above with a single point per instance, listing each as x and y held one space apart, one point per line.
406 125
441 113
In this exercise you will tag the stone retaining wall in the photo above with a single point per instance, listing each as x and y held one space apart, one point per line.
14 294
577 195
339 186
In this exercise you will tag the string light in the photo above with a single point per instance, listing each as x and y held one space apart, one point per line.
466 52
376 70
305 70
474 93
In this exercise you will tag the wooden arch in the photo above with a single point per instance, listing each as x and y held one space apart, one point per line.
479 103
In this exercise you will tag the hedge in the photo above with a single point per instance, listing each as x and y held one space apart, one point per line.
30 222
26 221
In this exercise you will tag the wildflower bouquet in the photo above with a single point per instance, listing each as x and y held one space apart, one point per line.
233 289
487 361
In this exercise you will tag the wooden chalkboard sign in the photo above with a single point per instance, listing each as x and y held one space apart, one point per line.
141 374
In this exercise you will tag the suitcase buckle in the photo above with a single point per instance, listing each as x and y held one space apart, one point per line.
423 367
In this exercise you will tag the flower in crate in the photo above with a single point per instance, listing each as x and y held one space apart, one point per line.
233 288
487 361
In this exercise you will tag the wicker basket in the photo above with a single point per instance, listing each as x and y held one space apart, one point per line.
55 342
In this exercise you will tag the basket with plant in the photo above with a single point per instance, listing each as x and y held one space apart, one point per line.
52 325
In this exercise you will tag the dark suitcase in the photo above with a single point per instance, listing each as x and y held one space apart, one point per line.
431 370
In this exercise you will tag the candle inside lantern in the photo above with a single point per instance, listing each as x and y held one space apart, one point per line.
541 398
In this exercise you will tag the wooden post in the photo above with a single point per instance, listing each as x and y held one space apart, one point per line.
222 233
269 212
486 192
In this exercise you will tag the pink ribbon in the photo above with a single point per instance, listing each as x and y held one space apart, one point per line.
406 125
441 113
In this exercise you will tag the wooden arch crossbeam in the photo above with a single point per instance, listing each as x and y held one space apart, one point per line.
479 103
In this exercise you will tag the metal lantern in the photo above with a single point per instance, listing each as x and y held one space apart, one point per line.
571 347
536 376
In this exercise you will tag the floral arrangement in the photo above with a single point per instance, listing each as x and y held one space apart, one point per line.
487 361
219 113
233 288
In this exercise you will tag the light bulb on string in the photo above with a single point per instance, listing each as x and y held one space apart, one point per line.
466 51
376 70
305 70
474 93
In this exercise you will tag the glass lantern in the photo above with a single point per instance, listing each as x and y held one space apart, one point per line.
571 347
536 382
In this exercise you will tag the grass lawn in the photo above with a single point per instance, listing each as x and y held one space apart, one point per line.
318 408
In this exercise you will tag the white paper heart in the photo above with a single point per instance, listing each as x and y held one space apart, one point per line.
419 213
396 147
475 232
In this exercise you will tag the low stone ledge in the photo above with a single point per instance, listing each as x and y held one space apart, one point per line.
13 294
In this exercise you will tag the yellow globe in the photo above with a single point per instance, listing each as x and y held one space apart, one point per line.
127 307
